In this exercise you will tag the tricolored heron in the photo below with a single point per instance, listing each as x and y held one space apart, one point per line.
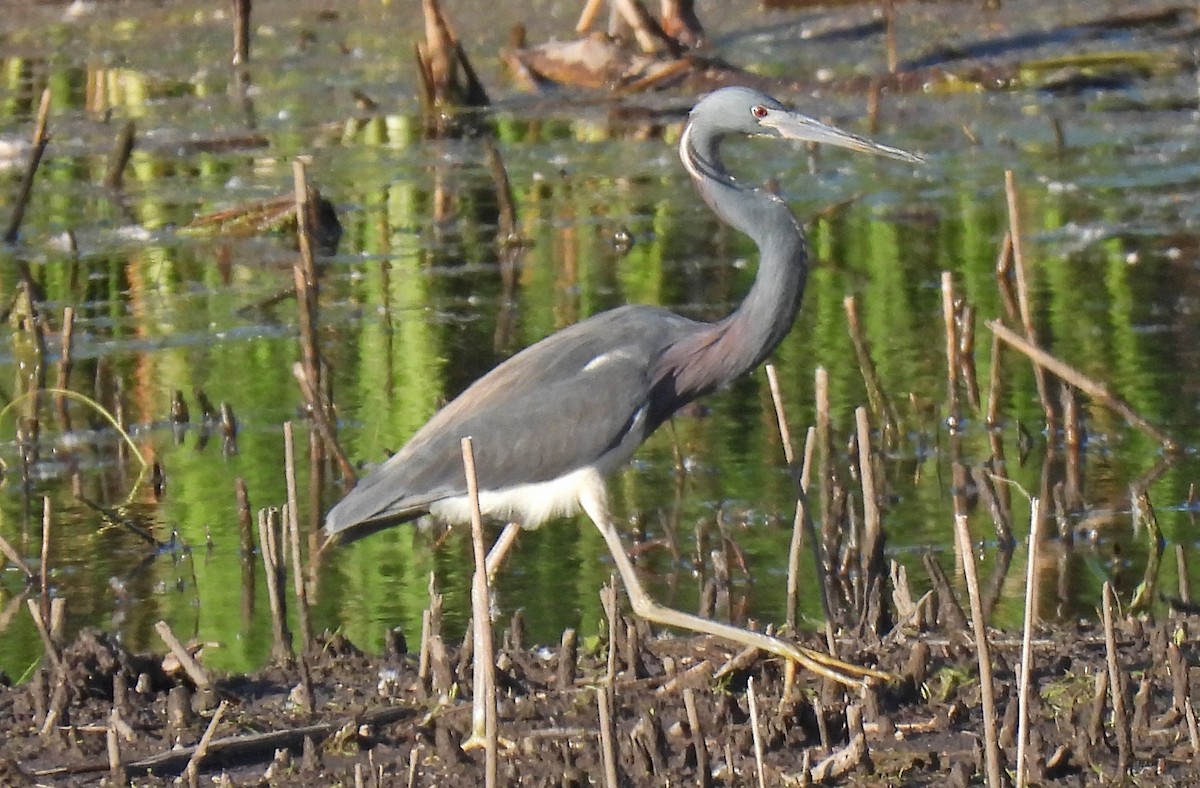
552 421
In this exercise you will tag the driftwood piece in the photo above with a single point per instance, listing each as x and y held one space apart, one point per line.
251 746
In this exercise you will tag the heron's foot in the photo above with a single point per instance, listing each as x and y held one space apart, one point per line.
838 670
477 741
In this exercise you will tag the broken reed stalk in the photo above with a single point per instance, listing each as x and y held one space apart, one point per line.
802 521
241 32
293 526
64 363
1023 687
307 286
756 733
785 434
483 709
116 774
190 666
500 549
607 736
699 746
587 17
982 652
1185 589
268 539
320 418
1026 312
877 398
802 524
58 618
44 564
954 416
1116 683
44 632
873 561
15 559
608 598
824 452
1093 388
993 405
118 159
41 139
193 765
245 518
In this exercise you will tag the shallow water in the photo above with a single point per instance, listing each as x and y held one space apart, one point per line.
414 306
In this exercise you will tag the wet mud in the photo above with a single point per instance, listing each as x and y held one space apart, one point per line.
680 714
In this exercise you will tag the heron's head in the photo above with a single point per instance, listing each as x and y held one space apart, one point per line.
739 110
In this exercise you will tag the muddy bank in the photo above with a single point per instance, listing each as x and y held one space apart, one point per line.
680 709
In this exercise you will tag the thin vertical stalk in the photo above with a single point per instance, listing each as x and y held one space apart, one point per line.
982 652
483 710
1035 518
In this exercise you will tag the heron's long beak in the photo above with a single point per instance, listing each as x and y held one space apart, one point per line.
795 126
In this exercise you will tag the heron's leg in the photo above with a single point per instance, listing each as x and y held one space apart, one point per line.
594 501
500 550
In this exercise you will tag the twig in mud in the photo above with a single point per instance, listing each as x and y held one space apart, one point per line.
608 598
483 692
982 652
242 746
1023 689
118 159
847 758
607 736
192 770
41 139
1116 683
1023 306
756 733
699 746
116 774
186 661
1072 376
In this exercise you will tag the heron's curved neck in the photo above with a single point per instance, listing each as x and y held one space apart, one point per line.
745 338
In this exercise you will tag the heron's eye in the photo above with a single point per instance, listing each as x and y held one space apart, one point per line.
758 111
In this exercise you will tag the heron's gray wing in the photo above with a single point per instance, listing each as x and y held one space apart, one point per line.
577 398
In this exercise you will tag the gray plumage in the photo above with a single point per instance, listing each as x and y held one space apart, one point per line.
584 398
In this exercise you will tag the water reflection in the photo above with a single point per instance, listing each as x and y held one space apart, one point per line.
421 299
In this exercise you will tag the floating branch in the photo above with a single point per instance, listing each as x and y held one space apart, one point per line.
1094 388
